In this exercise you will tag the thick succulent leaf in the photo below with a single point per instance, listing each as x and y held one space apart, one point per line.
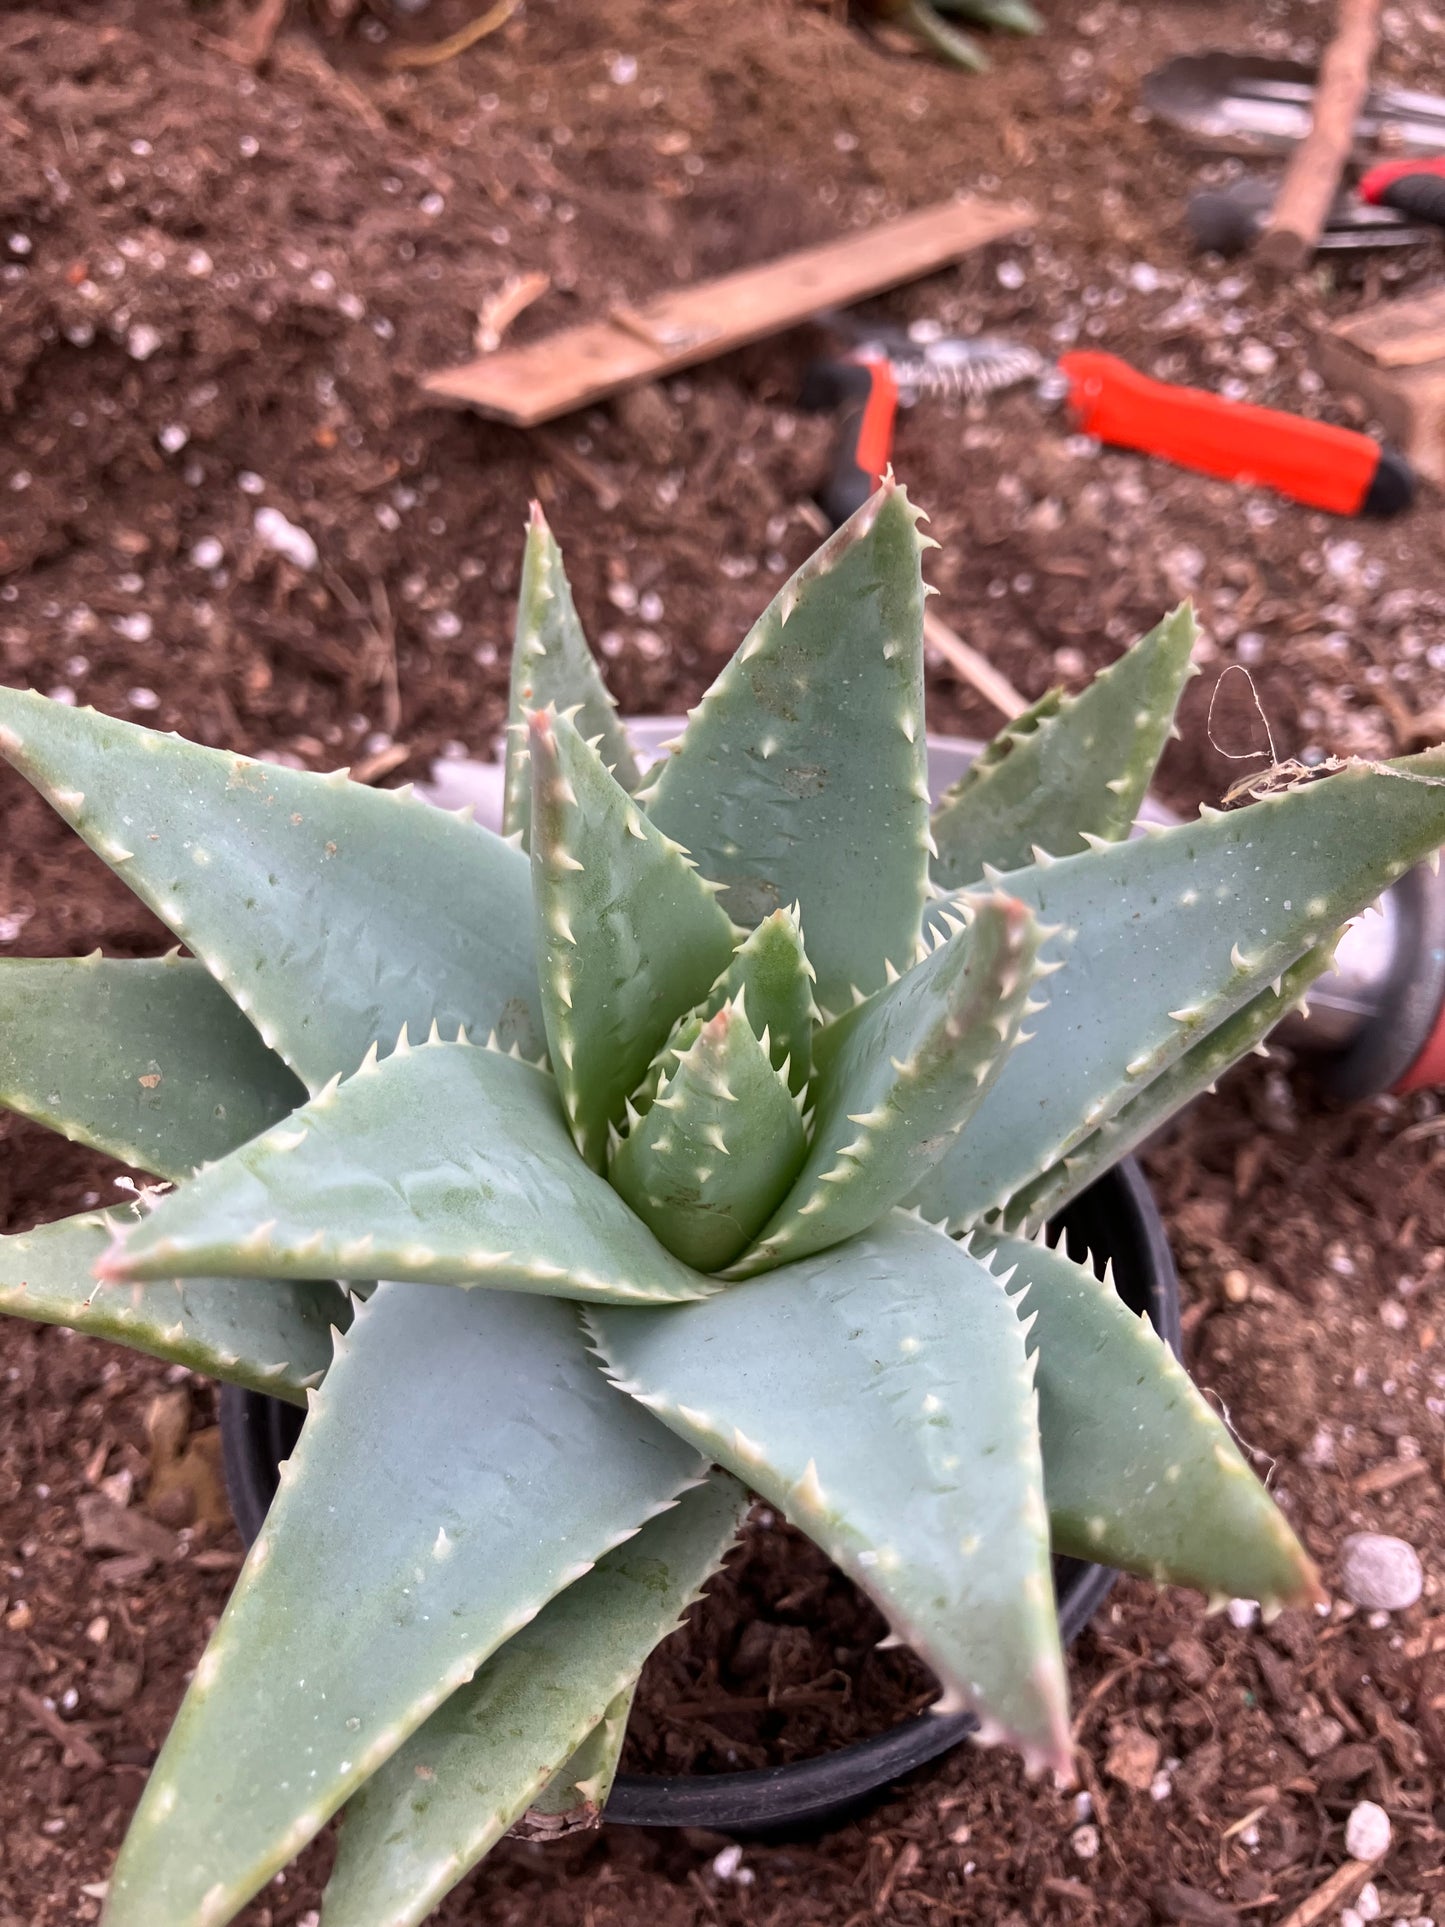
445 1165
573 1799
717 1150
463 1463
332 914
485 1755
771 974
1174 932
880 1395
274 1337
629 936
945 40
801 777
552 664
1139 1471
148 1060
1071 766
899 1077
1195 1072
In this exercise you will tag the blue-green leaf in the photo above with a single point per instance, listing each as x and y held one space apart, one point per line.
447 1165
801 776
552 666
409 1540
486 1754
880 1394
331 914
149 1060
272 1336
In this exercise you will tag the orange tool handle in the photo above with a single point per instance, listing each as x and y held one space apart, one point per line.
1313 462
869 396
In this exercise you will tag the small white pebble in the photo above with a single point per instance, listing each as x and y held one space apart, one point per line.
250 483
142 341
135 628
142 699
1255 358
1160 1787
199 263
173 438
727 1861
1243 1613
1393 1315
19 244
1085 1842
1010 274
1083 1807
622 72
1352 1917
1144 279
284 538
208 553
1380 1572
1367 1832
1367 1906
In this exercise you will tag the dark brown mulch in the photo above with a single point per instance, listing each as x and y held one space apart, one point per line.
216 291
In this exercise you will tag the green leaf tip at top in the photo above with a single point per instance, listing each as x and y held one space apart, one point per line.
801 776
899 1077
1071 767
553 666
628 934
717 1149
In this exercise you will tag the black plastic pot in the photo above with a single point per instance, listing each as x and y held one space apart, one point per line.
1116 1219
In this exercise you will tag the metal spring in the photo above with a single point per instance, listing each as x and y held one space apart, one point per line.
984 371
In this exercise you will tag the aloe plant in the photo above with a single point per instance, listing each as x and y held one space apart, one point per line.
709 1119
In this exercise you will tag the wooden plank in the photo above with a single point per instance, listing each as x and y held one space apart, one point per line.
548 378
1399 334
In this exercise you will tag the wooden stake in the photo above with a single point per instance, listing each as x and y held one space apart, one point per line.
976 670
1290 235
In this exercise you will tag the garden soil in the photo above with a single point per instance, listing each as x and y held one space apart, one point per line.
219 282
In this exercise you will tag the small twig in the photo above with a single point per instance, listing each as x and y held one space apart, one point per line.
1384 1478
604 492
501 309
371 769
976 670
300 59
1098 1690
456 43
256 38
1312 179
1336 1892
384 629
67 1736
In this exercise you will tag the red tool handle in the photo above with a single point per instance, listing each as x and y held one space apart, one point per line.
1415 187
1315 463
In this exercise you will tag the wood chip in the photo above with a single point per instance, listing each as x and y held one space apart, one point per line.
72 1738
106 1527
1336 1892
1384 1478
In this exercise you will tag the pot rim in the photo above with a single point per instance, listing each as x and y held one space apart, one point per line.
1118 1217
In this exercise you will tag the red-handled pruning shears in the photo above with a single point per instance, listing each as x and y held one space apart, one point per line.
1414 187
1313 462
